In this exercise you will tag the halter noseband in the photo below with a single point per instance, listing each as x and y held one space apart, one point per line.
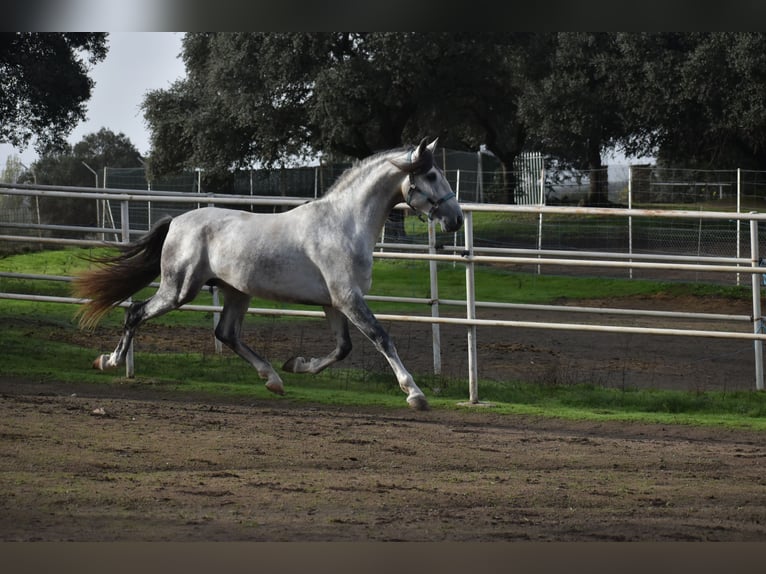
435 203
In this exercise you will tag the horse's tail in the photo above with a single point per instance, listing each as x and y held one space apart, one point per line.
120 276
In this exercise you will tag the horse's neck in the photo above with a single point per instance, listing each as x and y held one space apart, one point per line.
369 202
382 201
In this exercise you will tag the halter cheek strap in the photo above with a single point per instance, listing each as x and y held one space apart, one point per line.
435 203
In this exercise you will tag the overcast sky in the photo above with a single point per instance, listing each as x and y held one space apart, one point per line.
137 62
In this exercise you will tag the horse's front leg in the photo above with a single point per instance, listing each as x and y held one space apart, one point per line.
359 313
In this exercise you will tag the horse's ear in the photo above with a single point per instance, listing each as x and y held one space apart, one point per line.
417 161
432 145
419 150
417 154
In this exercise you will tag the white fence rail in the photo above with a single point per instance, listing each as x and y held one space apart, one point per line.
461 252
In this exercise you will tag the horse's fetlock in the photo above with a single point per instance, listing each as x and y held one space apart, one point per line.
104 362
294 365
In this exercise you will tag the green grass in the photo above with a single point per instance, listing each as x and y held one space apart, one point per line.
30 327
228 375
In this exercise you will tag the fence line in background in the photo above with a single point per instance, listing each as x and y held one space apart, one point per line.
466 254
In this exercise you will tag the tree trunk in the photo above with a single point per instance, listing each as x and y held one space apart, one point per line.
509 185
506 187
598 194
507 191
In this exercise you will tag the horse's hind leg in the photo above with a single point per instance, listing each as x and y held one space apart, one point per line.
133 318
228 332
339 325
160 303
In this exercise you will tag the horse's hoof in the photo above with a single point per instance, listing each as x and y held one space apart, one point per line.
99 362
419 403
276 388
290 364
297 365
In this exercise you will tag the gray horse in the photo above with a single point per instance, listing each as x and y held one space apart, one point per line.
319 253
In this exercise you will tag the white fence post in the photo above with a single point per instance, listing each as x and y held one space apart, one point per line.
630 217
739 221
540 216
434 276
216 314
457 197
216 320
470 300
130 367
757 318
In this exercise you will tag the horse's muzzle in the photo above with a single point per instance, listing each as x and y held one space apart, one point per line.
452 223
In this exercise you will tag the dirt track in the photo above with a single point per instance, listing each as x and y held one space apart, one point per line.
94 463
131 463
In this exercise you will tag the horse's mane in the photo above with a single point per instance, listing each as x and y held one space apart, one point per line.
361 168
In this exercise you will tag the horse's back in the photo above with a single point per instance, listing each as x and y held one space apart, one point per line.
264 255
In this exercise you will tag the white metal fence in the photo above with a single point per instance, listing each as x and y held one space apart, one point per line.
463 251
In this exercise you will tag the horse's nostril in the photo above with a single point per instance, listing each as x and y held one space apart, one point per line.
452 225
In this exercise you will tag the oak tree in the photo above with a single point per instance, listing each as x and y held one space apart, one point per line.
45 84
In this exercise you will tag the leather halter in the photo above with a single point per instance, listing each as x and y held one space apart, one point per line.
435 203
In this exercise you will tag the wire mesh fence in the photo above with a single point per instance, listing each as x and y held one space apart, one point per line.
478 178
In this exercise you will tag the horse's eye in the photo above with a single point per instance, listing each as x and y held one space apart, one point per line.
431 176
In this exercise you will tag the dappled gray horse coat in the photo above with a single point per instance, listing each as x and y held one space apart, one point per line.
319 253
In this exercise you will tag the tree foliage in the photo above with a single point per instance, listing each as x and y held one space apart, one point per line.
66 165
266 97
572 109
697 98
14 171
233 109
694 99
45 84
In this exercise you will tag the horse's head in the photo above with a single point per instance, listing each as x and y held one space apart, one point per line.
426 190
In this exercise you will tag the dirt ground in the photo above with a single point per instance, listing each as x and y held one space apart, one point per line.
127 462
